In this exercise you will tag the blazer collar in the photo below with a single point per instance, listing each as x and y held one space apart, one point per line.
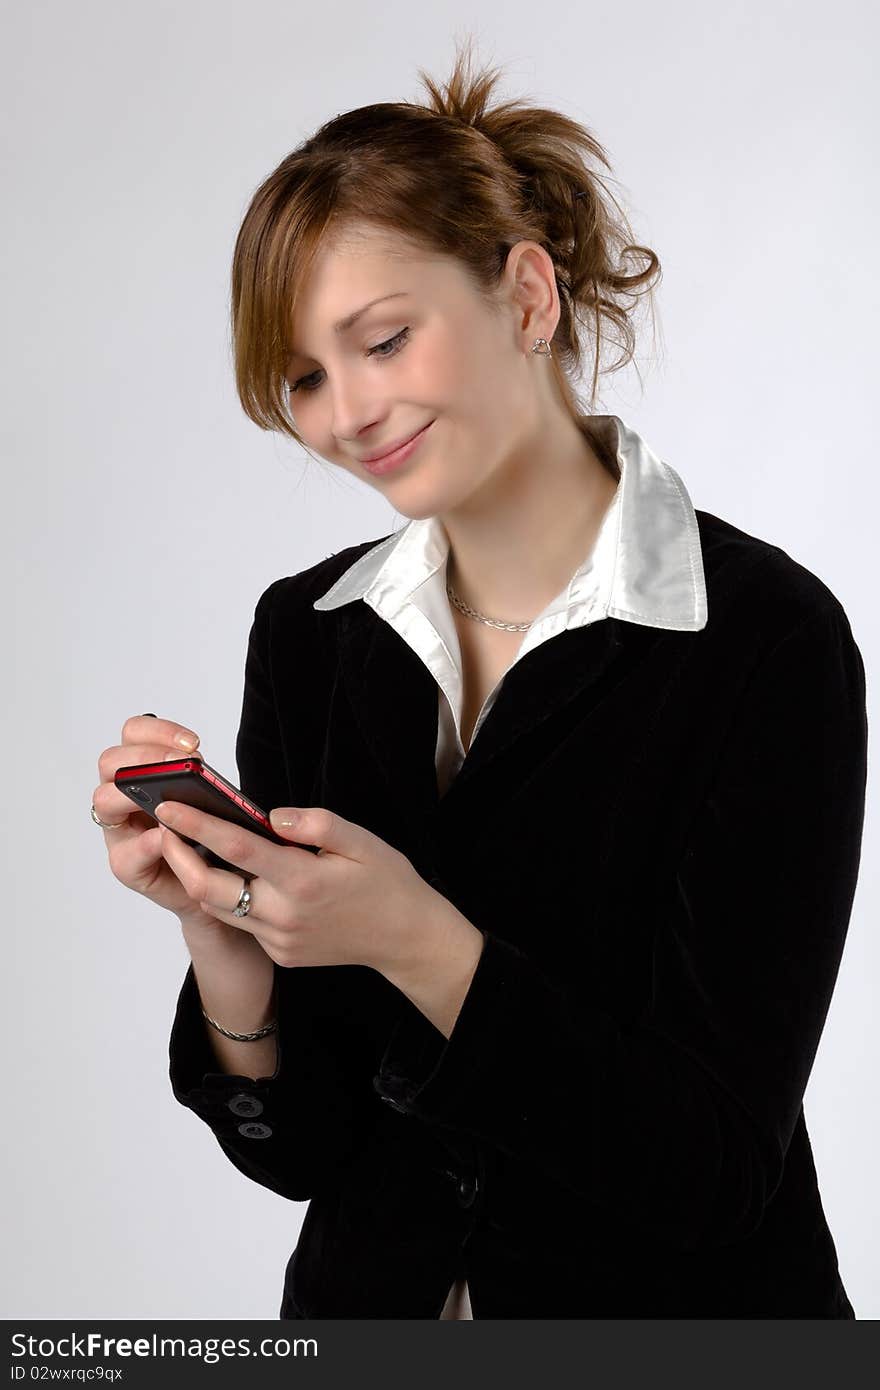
646 570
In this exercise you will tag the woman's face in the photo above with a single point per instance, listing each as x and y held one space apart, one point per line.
433 355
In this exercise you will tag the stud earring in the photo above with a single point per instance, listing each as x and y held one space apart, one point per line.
542 347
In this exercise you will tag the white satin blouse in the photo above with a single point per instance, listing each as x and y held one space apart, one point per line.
645 567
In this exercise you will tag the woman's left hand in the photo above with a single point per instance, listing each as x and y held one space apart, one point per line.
358 901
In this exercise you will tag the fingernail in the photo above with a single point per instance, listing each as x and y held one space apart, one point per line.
187 740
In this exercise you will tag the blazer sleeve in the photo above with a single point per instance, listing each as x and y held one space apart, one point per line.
292 1130
680 1121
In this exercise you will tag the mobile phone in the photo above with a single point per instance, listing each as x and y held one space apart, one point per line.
196 784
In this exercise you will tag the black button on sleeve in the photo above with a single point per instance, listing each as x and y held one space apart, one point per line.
243 1104
253 1129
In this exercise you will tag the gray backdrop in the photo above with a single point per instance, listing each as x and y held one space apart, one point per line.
134 134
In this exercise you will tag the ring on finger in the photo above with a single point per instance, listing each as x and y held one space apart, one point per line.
106 824
243 906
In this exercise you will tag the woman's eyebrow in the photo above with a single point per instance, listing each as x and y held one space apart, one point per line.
344 324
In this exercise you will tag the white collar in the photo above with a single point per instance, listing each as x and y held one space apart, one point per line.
646 566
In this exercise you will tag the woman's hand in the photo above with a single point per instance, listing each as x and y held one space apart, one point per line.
358 901
133 840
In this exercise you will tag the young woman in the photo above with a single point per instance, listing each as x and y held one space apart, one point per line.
584 766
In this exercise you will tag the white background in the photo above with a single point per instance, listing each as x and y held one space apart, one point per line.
145 514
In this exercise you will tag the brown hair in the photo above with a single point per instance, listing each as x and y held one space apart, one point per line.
457 177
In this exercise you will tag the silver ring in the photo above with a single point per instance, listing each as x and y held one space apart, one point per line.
243 906
106 824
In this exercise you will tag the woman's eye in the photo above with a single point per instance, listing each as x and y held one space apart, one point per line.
393 345
301 384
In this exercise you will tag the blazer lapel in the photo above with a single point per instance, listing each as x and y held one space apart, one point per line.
393 697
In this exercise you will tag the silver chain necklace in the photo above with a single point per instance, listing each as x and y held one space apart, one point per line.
481 617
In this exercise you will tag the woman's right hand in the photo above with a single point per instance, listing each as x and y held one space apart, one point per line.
133 841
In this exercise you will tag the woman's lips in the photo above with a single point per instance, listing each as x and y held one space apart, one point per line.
399 456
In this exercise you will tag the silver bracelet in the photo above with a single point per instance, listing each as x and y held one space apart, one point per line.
242 1037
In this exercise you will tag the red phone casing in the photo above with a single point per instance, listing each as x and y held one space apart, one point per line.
196 784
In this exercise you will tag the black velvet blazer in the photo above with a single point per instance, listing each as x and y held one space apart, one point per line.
659 834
